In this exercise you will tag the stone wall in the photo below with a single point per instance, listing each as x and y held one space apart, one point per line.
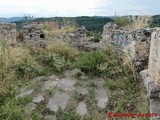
151 76
34 34
8 32
75 38
135 44
154 58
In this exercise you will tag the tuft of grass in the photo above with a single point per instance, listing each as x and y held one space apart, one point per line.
133 22
88 62
63 49
69 114
58 32
100 63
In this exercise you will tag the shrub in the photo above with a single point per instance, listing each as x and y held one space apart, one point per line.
104 63
90 61
26 70
77 73
63 49
54 61
111 84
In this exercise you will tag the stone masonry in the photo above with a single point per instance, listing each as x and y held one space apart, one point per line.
154 58
141 46
134 44
8 32
151 76
33 33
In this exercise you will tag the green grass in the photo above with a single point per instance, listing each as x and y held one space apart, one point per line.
126 92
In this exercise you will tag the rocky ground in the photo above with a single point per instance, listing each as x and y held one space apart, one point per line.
51 94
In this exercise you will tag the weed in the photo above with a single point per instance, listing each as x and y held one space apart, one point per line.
77 96
69 114
54 61
77 73
63 49
111 84
26 70
92 83
89 62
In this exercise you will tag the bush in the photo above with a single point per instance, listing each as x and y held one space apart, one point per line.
26 70
63 49
90 61
54 61
104 63
77 73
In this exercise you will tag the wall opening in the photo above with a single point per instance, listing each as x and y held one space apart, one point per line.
42 36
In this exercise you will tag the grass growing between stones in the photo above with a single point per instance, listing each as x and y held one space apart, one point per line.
19 70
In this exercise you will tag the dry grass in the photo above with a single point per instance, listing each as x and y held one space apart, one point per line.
9 58
66 29
138 22
62 48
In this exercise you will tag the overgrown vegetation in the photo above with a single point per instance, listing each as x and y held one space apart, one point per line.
133 22
20 64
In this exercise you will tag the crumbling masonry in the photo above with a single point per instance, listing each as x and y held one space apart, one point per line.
142 47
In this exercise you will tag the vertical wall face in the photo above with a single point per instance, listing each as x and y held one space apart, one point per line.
135 44
8 32
154 58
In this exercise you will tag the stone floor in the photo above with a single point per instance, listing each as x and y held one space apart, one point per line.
60 93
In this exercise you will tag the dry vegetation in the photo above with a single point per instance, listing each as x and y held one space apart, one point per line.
133 22
25 62
58 32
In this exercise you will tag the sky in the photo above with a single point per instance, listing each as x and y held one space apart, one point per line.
72 8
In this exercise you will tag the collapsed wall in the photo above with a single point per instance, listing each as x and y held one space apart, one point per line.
8 32
75 38
79 39
135 44
33 34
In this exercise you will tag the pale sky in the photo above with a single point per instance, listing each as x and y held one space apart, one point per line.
52 8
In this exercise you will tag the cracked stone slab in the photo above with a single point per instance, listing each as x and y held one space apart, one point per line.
25 93
82 91
82 108
66 84
101 98
38 98
53 77
59 100
40 78
99 82
29 108
50 117
49 85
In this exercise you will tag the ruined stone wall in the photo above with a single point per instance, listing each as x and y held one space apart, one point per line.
151 76
75 38
8 32
33 34
154 58
135 44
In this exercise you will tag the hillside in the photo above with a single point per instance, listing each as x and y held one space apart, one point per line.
155 21
94 24
13 19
